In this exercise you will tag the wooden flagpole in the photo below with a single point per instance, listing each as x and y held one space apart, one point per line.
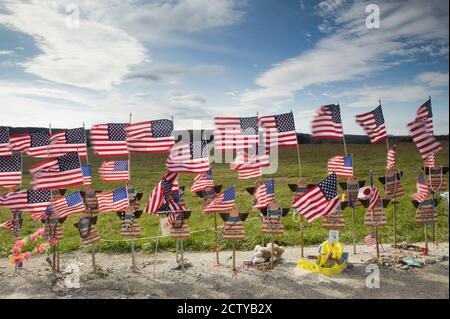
55 247
93 246
134 268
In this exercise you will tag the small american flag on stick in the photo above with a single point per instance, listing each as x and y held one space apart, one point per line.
161 192
87 174
422 189
327 123
249 166
61 172
114 201
370 240
430 161
71 140
10 171
235 133
319 200
109 139
27 200
36 144
150 136
373 124
342 165
222 202
114 171
68 205
425 113
5 146
424 140
188 157
391 158
278 130
202 181
8 225
264 193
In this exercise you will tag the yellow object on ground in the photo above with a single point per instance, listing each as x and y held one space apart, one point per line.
332 259
313 267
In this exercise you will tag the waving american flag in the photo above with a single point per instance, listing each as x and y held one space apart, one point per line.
202 181
35 144
264 193
10 171
61 172
5 146
150 137
222 202
373 124
114 171
71 140
68 205
391 158
319 200
161 192
422 189
425 113
278 130
109 139
30 200
342 165
188 157
114 201
327 123
249 166
234 133
424 140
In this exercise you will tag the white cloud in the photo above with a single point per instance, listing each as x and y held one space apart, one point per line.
6 52
433 79
186 99
353 51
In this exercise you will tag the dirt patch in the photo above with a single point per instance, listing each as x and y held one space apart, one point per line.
203 280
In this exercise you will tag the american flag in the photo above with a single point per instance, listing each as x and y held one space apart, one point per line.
150 136
8 225
222 202
202 181
188 157
114 201
68 205
264 193
161 192
370 239
71 140
114 171
10 171
109 139
342 165
424 140
5 146
327 123
249 166
373 124
425 113
36 144
278 130
374 197
422 189
87 174
391 158
235 133
60 172
320 200
27 200
430 161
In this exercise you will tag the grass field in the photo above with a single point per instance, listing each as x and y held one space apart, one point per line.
148 169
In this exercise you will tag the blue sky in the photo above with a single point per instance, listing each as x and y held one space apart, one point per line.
194 60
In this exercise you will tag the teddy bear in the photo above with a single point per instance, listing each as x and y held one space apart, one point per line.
262 254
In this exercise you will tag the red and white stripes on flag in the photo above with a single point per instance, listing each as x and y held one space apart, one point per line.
11 171
235 133
114 171
391 158
68 205
109 139
342 165
150 137
278 130
425 113
222 202
5 146
30 200
61 172
373 124
370 239
327 123
188 157
320 200
161 192
249 166
71 140
424 140
202 181
8 225
35 144
264 194
430 161
114 201
422 189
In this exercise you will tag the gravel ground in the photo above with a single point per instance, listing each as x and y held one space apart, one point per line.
203 280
